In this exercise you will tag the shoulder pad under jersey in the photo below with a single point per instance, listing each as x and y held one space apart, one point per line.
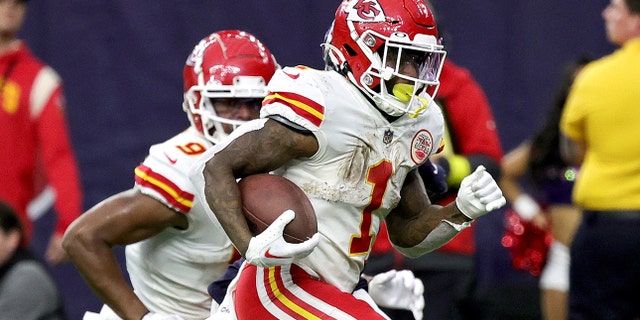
164 173
296 94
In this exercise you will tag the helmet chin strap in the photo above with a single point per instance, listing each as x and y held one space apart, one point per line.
404 93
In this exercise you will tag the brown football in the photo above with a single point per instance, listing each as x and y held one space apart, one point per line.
266 196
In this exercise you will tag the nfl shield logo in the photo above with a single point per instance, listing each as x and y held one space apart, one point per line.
388 136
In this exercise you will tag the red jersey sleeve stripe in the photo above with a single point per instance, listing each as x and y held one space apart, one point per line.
441 147
177 197
303 106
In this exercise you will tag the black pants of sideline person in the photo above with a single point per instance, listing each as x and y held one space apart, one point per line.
605 266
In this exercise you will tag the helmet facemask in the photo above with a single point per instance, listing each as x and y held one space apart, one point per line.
201 103
399 85
372 43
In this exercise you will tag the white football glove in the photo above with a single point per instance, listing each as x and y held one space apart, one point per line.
479 194
157 316
398 290
269 249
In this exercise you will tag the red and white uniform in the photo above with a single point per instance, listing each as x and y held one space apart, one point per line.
353 181
171 270
34 139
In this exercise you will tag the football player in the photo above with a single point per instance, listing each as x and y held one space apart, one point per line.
352 138
173 246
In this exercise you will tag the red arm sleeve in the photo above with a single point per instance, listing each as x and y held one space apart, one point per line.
59 161
469 113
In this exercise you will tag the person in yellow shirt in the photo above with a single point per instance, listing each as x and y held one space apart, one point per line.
601 130
547 204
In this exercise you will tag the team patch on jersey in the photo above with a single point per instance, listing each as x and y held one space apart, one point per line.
302 106
421 146
176 197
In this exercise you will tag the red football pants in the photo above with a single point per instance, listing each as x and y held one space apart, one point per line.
288 292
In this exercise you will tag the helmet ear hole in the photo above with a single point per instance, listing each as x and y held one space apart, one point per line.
350 51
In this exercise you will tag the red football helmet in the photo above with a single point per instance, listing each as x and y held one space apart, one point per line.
371 40
225 64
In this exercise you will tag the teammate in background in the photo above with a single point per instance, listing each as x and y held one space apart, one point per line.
34 139
538 159
27 291
174 246
352 139
600 126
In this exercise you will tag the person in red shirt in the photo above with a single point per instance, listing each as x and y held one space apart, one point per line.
35 148
471 140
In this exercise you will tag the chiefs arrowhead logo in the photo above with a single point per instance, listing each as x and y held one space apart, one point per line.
365 11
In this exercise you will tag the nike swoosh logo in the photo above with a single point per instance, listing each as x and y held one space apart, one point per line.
172 160
291 75
270 256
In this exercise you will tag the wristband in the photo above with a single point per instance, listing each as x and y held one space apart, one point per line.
526 207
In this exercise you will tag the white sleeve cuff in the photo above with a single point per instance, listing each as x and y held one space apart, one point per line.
458 227
438 237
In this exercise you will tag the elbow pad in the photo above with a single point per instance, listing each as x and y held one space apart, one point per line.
438 237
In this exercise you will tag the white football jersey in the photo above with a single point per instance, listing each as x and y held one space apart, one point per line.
355 178
170 271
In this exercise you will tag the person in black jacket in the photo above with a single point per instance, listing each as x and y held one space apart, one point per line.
27 291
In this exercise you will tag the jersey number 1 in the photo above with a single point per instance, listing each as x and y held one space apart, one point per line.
378 177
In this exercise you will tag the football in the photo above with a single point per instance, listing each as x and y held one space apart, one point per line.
266 196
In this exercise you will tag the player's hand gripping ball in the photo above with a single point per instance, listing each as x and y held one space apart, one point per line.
266 196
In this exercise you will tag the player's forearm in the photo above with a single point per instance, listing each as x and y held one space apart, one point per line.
408 233
436 238
114 291
96 262
127 306
223 197
99 268
478 195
